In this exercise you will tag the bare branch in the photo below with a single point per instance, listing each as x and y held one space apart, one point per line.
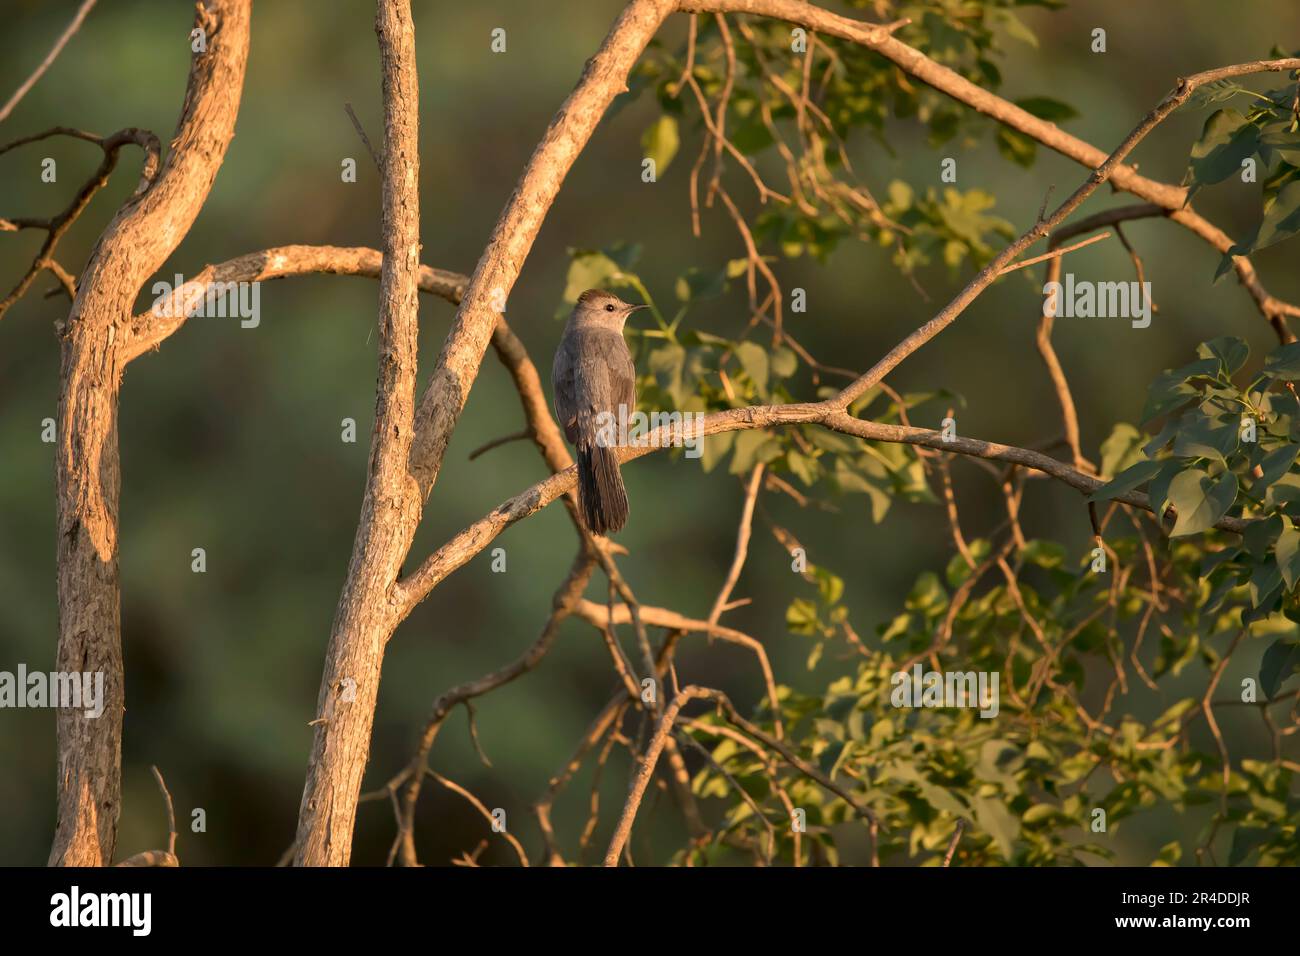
1054 254
50 57
390 509
647 768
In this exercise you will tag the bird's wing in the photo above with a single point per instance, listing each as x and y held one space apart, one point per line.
604 378
624 375
563 385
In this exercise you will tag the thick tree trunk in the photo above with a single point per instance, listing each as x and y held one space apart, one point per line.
136 243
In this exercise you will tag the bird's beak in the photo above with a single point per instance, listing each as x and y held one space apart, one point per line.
637 308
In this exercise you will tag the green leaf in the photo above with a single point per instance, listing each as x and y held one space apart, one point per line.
1038 813
753 446
829 586
754 361
1281 219
833 757
1174 387
801 617
806 468
1259 538
783 362
1276 141
1169 854
1274 465
1244 841
1283 362
851 479
1044 107
958 570
1016 147
1231 352
1265 592
830 441
995 820
1287 552
660 142
1045 554
1014 26
1121 450
1278 664
1215 92
1283 491
666 364
1226 140
1127 480
1158 489
1205 438
1200 500
592 270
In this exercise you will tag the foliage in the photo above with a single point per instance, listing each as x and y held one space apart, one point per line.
1173 596
1267 135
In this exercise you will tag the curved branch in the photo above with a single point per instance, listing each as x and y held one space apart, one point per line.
604 77
412 589
1043 338
57 226
141 236
149 329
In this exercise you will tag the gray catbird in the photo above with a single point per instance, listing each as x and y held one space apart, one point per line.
593 374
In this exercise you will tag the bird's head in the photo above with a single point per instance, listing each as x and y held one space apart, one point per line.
598 307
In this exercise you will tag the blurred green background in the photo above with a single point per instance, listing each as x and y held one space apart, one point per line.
230 437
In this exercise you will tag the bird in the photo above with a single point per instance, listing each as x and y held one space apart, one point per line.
593 378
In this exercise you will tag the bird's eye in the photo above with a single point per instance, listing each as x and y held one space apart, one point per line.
609 307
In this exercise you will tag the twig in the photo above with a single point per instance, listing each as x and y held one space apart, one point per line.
356 124
1054 254
50 57
952 844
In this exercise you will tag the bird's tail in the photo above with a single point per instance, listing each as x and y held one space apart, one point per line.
601 496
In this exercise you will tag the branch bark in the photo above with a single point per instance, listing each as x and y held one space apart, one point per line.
390 510
144 232
460 549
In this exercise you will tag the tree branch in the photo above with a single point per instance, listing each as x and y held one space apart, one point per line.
1172 198
143 233
50 57
390 510
604 77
